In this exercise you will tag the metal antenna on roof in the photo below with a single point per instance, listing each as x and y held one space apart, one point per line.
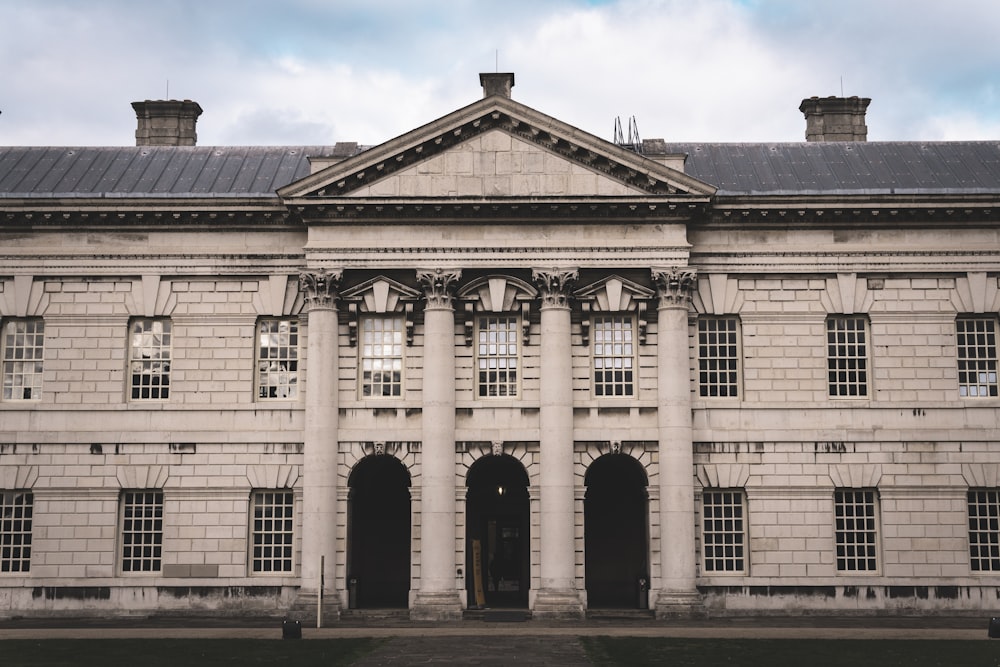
634 143
168 90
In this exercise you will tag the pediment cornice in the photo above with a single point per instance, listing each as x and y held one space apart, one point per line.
496 113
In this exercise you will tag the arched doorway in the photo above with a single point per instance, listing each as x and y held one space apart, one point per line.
378 533
615 520
496 533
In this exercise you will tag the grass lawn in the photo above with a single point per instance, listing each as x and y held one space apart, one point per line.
183 652
636 652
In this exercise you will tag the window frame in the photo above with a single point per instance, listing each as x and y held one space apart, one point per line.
398 333
735 361
839 370
986 364
162 384
12 354
153 499
511 334
596 333
257 542
991 503
285 354
739 541
873 558
15 536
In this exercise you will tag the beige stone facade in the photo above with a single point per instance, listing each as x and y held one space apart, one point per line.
499 362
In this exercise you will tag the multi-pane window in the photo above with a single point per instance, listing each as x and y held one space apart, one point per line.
614 355
141 530
977 356
149 359
23 348
718 356
856 529
15 531
271 534
984 530
381 356
496 356
723 530
277 359
847 356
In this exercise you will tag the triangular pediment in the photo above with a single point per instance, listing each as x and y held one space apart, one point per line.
494 149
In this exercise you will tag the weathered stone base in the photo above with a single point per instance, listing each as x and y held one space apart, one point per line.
436 607
679 604
305 609
557 604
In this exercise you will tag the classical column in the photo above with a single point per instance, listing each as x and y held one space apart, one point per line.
678 594
438 598
319 464
558 595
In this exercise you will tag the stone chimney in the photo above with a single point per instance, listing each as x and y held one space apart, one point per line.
835 118
497 84
166 122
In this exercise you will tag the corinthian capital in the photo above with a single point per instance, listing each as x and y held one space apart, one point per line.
319 288
554 285
675 285
438 285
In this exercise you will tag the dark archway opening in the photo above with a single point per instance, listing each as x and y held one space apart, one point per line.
615 520
497 533
378 533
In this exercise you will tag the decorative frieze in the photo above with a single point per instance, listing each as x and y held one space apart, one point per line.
675 285
319 288
438 285
554 285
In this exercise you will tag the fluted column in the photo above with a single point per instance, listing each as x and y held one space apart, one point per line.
678 594
319 479
558 595
437 598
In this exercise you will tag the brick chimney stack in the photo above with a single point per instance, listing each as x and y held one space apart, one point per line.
166 122
497 84
835 118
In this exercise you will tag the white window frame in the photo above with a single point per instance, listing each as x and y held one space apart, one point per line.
720 368
277 359
23 358
16 508
977 359
614 360
150 351
140 531
373 359
847 357
849 537
272 532
983 506
724 532
498 356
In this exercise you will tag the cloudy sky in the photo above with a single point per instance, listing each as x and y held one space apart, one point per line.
321 71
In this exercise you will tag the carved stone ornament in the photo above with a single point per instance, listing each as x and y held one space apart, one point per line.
497 449
674 286
554 284
378 449
319 288
438 285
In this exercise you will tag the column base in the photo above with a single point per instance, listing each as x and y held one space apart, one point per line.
679 604
444 606
557 603
304 608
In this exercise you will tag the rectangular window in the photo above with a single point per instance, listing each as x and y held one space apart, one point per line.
613 356
718 356
977 356
984 530
23 355
723 531
856 530
277 359
15 531
847 356
496 356
149 359
271 535
381 356
142 530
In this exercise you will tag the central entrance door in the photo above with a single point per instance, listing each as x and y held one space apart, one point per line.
378 533
497 539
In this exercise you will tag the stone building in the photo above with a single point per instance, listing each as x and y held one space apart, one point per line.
500 362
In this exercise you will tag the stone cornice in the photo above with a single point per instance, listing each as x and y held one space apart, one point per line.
132 214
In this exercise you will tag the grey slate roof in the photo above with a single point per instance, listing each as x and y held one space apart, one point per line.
835 168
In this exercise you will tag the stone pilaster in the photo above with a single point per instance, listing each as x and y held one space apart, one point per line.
438 598
558 596
678 594
319 480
